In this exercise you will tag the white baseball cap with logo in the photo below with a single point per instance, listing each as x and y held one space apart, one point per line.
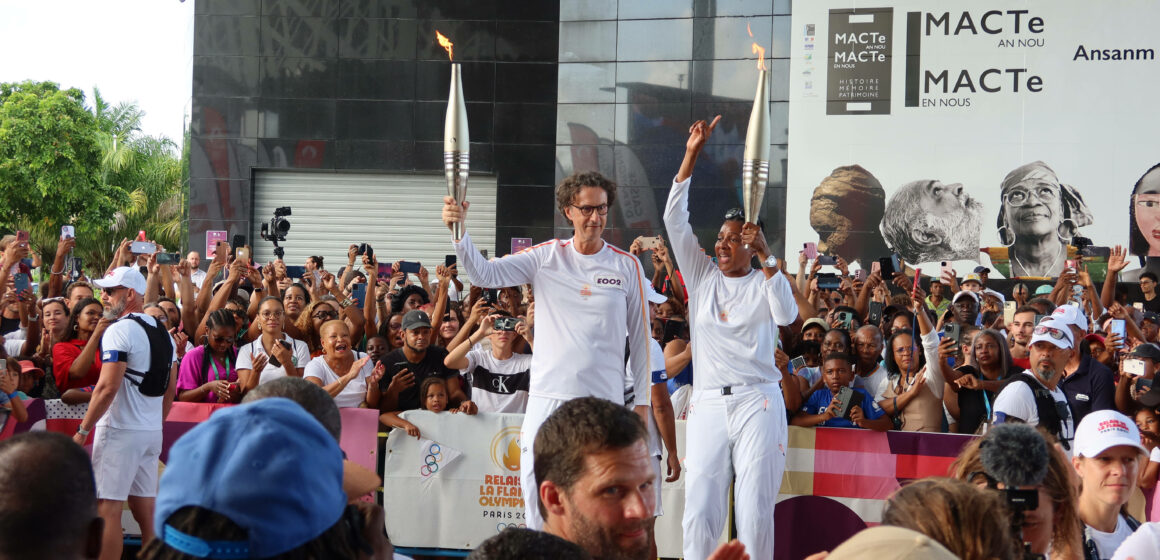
1104 429
123 276
1070 315
1050 330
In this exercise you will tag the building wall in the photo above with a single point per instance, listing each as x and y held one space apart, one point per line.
552 87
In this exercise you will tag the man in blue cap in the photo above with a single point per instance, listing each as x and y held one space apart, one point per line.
257 480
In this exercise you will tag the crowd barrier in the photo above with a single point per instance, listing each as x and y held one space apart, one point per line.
458 483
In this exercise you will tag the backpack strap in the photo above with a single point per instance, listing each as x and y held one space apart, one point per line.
1044 406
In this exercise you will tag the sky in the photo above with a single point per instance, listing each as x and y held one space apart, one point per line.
132 50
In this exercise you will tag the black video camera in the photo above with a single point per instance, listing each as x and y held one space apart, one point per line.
278 227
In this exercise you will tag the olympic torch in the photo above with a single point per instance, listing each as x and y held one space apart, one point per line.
456 140
755 163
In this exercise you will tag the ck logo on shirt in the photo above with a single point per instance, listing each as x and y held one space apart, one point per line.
609 280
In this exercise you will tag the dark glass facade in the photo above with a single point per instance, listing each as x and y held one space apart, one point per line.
551 87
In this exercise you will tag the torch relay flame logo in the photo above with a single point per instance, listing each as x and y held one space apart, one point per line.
505 449
447 44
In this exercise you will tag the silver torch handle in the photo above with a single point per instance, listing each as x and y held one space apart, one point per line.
456 145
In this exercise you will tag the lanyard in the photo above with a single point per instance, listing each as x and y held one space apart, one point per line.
213 364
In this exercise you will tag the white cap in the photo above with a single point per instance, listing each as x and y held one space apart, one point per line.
653 296
1048 330
1070 315
965 293
994 294
126 276
971 277
1104 429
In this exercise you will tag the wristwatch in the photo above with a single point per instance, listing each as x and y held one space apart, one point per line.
770 262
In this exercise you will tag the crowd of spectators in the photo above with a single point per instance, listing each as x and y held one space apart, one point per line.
870 349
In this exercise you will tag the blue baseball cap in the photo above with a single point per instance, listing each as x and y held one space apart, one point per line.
268 466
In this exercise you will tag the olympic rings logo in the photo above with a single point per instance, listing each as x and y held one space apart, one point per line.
431 461
501 526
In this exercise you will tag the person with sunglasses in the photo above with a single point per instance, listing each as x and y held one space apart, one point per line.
274 354
209 372
76 361
591 296
1034 396
737 425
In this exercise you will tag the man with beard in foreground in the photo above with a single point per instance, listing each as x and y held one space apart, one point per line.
595 479
929 221
130 402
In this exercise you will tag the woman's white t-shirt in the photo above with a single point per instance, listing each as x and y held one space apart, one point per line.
246 354
355 392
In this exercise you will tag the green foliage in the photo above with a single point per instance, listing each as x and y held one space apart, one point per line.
50 158
62 164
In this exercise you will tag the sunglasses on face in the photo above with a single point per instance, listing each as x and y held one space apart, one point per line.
1052 332
325 315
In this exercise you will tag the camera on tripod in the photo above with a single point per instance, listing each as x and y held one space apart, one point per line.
277 229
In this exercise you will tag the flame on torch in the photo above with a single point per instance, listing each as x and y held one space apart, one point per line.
447 44
757 50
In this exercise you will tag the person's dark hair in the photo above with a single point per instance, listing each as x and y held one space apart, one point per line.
738 215
385 326
843 334
578 428
918 356
48 483
57 301
1005 363
400 297
317 259
807 347
1137 243
569 188
314 399
1026 309
525 544
845 357
971 523
1149 275
78 284
1048 306
166 299
341 540
218 318
452 311
76 312
305 292
425 387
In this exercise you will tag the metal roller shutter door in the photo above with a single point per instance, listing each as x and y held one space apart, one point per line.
397 213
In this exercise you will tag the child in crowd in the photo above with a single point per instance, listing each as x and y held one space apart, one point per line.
11 401
1148 420
822 409
432 396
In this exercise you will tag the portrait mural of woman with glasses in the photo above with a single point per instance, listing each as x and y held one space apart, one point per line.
1038 218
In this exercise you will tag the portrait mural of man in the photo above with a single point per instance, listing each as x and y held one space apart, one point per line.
928 220
845 210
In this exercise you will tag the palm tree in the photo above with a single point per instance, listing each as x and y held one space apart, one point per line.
145 167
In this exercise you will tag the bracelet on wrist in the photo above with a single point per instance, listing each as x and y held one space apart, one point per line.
82 431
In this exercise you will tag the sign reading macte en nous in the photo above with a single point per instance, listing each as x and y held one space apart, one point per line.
934 128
